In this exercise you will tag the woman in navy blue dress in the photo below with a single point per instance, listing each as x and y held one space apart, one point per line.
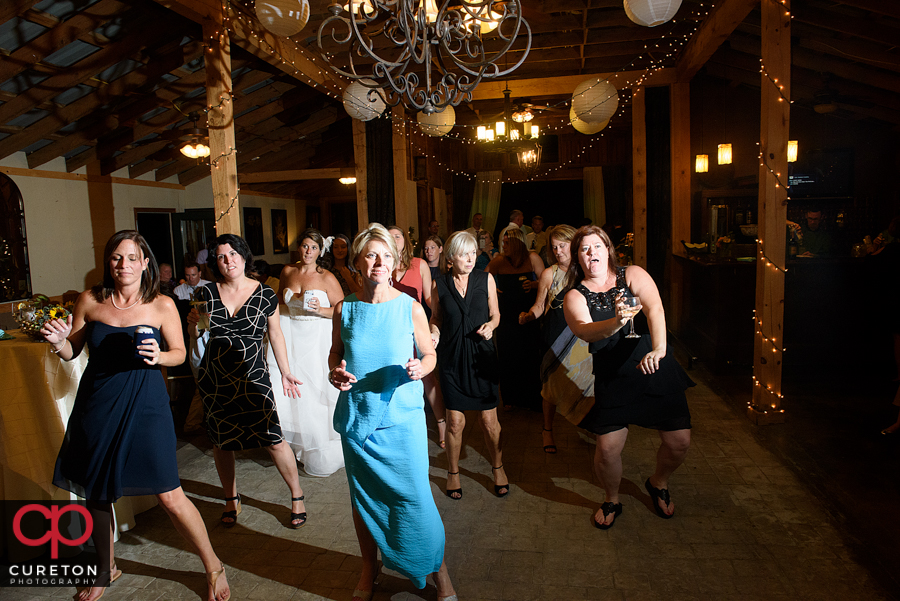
120 439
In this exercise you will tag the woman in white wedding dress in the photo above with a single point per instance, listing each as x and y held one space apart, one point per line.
307 295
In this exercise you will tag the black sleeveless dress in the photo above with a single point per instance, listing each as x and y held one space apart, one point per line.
469 369
518 346
120 439
234 376
624 394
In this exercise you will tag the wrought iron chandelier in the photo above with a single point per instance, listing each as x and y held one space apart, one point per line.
425 57
512 136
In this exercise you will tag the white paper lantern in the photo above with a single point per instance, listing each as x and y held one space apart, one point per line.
437 124
595 101
283 17
583 127
651 13
360 104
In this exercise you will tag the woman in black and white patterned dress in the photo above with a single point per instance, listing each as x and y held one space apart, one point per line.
234 378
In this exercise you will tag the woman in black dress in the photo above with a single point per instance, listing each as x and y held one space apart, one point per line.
635 380
120 439
463 322
234 376
518 346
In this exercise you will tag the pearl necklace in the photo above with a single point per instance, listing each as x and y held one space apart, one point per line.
113 298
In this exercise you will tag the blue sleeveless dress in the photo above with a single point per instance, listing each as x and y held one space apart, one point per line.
120 439
381 421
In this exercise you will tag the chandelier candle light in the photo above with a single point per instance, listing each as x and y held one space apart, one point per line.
422 55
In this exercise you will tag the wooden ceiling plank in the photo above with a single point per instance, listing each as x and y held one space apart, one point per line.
881 7
866 29
560 86
14 8
288 176
83 107
716 28
854 50
52 40
80 72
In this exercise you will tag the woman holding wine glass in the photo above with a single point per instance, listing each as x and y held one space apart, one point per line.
636 381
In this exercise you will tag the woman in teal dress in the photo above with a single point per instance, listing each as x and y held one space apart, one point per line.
380 418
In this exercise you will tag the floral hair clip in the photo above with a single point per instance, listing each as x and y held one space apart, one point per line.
327 245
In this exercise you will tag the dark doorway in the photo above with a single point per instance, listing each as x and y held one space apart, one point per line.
156 228
557 202
15 275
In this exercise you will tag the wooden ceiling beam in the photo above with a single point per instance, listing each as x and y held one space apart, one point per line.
881 7
714 30
866 29
81 71
561 86
59 36
294 175
14 8
284 55
866 53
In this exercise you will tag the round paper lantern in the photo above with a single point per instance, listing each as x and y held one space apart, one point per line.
283 17
586 128
651 13
437 124
360 103
595 101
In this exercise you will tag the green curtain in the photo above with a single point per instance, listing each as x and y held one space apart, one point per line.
594 196
486 199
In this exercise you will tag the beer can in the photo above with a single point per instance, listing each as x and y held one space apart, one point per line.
141 335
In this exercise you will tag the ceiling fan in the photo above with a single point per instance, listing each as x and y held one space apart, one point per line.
523 110
827 99
190 140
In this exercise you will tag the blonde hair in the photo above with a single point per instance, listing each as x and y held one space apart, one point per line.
457 244
563 233
374 232
514 249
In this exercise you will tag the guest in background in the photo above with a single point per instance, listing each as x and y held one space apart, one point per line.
516 219
167 281
308 296
636 380
381 421
433 249
466 314
567 366
515 270
434 227
234 377
346 275
486 251
120 439
260 273
192 281
814 239
475 230
412 276
540 238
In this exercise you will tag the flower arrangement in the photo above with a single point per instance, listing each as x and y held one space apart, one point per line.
31 315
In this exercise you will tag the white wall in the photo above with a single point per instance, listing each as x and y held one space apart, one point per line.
60 233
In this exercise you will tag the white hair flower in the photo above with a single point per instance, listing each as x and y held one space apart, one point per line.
327 245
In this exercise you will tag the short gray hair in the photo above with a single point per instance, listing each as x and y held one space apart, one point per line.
459 243
374 232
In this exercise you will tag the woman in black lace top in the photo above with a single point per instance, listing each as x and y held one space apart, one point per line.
636 381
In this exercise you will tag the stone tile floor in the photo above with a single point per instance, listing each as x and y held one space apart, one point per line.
747 527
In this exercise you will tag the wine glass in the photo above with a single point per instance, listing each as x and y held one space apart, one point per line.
631 306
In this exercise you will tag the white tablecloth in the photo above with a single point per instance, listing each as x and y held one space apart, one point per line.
37 391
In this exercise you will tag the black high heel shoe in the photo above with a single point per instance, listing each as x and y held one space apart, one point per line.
499 487
233 514
455 491
297 516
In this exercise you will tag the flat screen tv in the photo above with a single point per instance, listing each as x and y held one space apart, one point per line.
821 173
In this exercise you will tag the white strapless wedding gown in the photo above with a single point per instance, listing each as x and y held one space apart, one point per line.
307 422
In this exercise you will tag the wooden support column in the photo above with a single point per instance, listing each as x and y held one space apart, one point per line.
775 117
222 147
405 212
680 158
639 176
359 156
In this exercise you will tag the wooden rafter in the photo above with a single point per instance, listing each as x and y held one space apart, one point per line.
716 28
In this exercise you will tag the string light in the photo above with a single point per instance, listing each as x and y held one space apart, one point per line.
227 211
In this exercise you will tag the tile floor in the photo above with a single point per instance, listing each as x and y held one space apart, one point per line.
747 527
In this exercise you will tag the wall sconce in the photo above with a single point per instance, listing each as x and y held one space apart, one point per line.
793 150
724 154
702 164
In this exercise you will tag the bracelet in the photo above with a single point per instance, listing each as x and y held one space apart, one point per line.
56 351
331 375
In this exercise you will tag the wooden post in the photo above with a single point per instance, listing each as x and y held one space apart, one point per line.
404 207
775 115
359 156
639 176
222 150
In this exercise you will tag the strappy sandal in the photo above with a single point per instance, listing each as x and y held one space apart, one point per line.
455 491
608 508
115 575
443 442
657 494
212 578
499 487
550 449
297 516
232 515
361 595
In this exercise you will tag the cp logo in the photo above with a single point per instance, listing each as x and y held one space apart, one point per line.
53 514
